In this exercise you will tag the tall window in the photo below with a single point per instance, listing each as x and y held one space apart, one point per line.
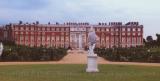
16 33
139 34
39 38
48 29
123 34
128 34
32 28
98 29
67 29
16 28
112 29
128 40
103 29
112 40
43 39
26 38
53 38
139 29
43 28
27 28
21 33
32 38
57 38
26 33
107 29
123 29
32 33
39 28
57 29
134 34
128 29
134 29
21 38
53 29
48 38
116 29
134 40
62 29
22 28
123 40
139 40
62 38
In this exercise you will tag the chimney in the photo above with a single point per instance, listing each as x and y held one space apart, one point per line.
20 22
37 22
49 23
57 23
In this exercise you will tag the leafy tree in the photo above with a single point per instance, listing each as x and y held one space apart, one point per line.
149 39
150 42
158 39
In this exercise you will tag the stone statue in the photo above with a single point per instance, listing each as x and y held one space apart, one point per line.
1 48
92 58
92 38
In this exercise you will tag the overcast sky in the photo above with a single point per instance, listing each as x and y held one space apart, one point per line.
147 12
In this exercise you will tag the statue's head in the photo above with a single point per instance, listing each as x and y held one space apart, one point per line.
91 29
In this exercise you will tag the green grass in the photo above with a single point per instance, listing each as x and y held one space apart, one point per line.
77 73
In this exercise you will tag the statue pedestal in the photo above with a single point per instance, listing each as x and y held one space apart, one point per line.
92 63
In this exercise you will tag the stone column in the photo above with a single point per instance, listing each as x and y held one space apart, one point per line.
1 48
92 63
75 41
80 41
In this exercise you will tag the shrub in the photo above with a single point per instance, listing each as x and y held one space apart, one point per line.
23 53
129 54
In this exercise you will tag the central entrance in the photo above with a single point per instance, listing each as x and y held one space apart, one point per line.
78 37
76 40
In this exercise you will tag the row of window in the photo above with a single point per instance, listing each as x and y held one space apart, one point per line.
72 29
39 33
44 44
42 28
133 34
117 29
123 34
44 38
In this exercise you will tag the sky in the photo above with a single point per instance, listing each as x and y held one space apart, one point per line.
146 12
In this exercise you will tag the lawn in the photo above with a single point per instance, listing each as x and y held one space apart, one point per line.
70 72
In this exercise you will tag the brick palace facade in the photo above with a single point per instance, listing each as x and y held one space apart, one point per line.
74 35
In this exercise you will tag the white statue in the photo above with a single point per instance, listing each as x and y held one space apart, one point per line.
92 38
1 48
92 58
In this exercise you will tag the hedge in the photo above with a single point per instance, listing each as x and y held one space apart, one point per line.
129 54
23 53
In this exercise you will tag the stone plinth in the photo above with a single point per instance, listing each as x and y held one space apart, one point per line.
92 63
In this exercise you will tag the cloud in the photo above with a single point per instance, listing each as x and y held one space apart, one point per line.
23 4
93 11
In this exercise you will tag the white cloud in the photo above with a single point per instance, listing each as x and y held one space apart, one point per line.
145 11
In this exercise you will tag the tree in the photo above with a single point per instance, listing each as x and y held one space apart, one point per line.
158 39
144 41
149 39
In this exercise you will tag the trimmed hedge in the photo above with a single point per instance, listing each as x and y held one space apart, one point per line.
129 54
23 53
